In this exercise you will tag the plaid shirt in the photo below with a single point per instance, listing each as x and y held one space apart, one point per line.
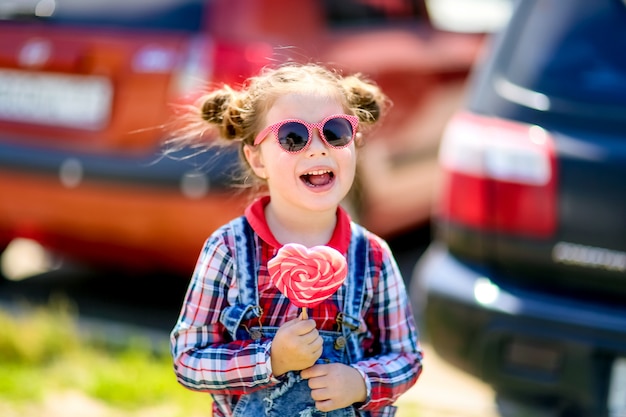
206 358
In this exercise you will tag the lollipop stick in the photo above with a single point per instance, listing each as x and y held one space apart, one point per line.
304 315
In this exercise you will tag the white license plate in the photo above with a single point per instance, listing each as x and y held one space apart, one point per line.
617 389
55 99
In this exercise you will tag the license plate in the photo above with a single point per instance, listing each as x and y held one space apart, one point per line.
55 99
617 389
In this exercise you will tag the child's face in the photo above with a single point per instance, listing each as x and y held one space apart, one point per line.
316 179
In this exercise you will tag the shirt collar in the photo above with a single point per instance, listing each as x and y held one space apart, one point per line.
255 215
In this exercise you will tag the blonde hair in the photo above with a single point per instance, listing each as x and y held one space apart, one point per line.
225 115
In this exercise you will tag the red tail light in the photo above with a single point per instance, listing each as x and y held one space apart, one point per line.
498 176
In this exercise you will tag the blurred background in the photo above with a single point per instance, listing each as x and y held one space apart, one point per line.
90 92
93 212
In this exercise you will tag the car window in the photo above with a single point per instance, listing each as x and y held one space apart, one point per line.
185 15
572 54
368 12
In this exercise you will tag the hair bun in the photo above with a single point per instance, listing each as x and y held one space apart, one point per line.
366 97
215 105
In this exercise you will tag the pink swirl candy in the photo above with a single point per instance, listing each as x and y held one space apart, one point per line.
307 276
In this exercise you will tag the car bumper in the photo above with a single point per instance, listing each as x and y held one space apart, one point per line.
523 343
147 169
146 212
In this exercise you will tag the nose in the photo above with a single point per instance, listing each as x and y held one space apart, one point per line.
317 145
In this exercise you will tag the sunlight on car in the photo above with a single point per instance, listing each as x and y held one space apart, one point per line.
485 291
45 8
470 15
24 258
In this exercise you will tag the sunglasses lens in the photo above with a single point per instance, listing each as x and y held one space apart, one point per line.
338 132
293 136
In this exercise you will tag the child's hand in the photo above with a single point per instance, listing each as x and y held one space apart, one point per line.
296 346
335 386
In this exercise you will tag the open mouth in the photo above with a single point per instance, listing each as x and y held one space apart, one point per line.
318 178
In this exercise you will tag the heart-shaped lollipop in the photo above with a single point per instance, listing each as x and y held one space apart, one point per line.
307 276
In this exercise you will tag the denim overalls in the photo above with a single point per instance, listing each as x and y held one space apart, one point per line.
292 396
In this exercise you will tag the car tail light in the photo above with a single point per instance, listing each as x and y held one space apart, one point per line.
498 176
235 62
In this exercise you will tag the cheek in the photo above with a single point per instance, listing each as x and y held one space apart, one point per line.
348 160
279 163
266 161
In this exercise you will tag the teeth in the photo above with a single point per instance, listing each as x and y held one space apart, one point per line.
319 172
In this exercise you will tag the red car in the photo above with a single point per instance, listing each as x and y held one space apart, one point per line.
86 87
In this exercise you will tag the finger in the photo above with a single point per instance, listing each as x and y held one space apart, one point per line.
317 344
307 337
311 372
314 371
299 321
289 323
315 384
302 327
326 405
310 323
319 394
311 338
317 348
316 354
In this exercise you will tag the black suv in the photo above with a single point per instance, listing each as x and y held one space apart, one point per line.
524 284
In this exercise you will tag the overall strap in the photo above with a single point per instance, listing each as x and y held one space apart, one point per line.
246 272
350 318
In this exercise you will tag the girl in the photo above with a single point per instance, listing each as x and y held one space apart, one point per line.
237 336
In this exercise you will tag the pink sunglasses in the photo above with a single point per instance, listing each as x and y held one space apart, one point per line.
294 135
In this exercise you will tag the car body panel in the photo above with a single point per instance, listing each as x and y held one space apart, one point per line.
574 341
112 225
79 54
540 317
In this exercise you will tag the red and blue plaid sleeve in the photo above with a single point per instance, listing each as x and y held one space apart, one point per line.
205 356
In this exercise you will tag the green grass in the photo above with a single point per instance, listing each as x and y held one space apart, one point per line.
42 355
